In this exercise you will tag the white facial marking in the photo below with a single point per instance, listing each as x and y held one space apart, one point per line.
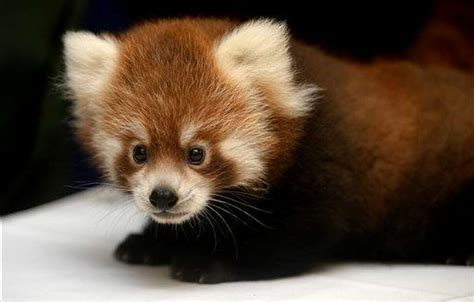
109 147
135 128
246 155
257 53
187 133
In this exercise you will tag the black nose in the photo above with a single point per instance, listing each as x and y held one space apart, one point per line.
163 198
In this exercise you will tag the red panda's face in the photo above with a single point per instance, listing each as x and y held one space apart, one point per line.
178 110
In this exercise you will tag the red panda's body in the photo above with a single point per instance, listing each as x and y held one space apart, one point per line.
296 155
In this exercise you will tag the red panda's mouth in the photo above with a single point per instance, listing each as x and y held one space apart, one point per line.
168 215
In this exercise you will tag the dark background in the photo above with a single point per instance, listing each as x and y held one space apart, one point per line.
40 158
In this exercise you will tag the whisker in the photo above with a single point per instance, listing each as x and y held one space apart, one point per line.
176 231
205 215
229 229
243 193
245 212
243 203
103 185
184 231
94 183
232 214
215 221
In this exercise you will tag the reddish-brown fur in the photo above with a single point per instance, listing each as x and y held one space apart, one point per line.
400 117
155 83
387 145
390 110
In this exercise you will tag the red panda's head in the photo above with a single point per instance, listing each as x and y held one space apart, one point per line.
178 110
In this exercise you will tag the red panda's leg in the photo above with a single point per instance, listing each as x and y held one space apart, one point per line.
261 255
197 268
143 248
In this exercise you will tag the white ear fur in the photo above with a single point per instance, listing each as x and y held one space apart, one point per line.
90 59
257 53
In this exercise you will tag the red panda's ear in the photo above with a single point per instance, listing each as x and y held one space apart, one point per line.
90 60
256 54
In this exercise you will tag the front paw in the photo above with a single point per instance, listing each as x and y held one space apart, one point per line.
207 272
139 249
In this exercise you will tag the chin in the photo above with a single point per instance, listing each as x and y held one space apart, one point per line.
171 218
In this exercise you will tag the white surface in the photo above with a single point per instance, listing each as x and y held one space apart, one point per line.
62 251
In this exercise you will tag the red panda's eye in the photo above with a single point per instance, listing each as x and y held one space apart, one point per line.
196 155
139 154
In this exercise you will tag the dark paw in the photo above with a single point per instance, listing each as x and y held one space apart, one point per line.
461 259
137 249
212 272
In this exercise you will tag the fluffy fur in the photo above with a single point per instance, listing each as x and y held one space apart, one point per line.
257 55
377 167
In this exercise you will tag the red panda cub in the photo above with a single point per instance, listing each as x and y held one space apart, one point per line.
257 156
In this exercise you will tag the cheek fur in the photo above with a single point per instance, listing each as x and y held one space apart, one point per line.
106 149
247 158
219 171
